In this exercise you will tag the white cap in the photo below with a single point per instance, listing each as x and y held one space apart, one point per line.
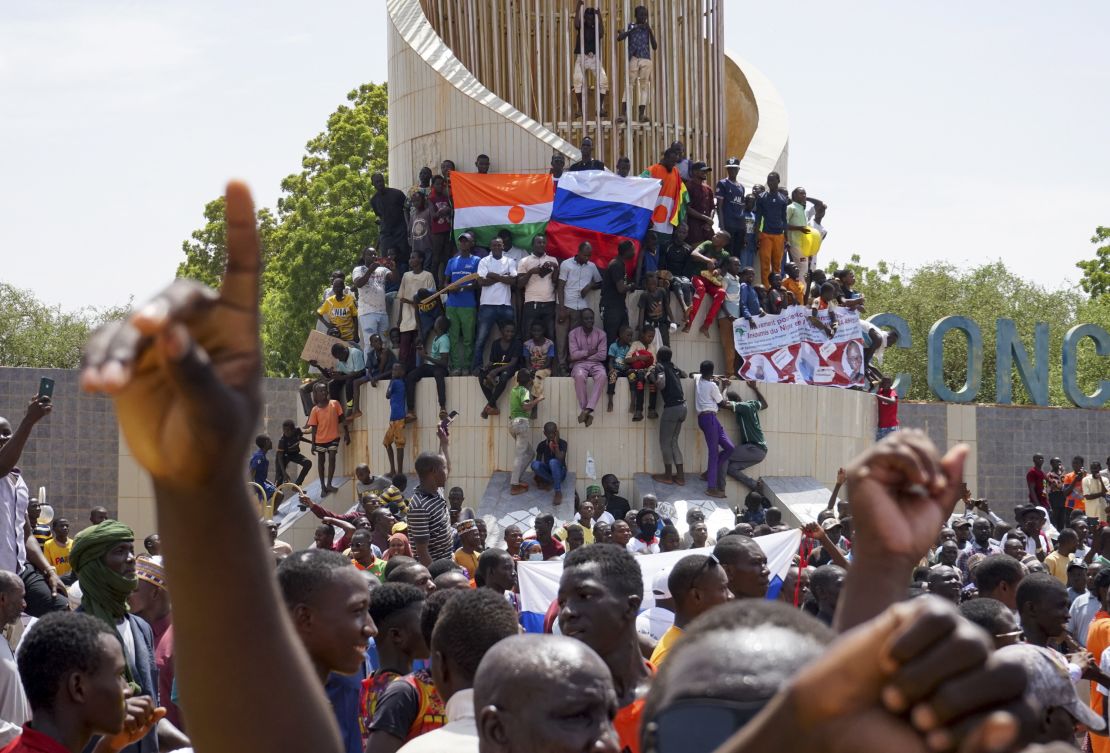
659 587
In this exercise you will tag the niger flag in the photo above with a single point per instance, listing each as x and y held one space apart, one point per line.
484 204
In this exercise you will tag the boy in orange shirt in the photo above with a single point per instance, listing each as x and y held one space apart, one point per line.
324 422
793 283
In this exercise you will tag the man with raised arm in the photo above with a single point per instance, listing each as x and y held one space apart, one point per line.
185 368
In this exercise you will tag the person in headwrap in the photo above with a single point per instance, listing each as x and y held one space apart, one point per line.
398 546
103 556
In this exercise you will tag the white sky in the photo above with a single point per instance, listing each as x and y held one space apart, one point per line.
958 131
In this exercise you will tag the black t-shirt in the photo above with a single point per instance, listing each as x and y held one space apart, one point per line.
544 453
654 305
610 293
397 708
588 35
593 164
672 387
618 507
291 446
501 356
389 205
677 261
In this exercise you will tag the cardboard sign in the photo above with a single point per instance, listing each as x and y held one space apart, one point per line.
318 348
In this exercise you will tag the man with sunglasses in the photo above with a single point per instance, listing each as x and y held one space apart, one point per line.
600 592
697 584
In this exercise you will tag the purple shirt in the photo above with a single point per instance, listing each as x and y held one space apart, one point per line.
587 347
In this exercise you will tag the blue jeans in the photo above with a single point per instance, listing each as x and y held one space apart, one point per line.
373 324
880 433
553 472
487 317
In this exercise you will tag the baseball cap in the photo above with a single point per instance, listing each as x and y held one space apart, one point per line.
830 523
960 523
1078 564
700 166
468 235
732 162
1049 684
659 588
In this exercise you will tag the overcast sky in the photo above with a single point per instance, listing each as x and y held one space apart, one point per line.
958 131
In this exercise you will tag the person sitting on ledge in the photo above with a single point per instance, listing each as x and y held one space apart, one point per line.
435 366
550 465
504 358
587 358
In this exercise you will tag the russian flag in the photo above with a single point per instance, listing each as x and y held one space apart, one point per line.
602 208
539 581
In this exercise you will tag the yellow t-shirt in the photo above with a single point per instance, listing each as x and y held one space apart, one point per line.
341 313
665 644
469 561
58 555
587 535
1057 565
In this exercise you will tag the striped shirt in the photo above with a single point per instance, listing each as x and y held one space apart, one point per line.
429 521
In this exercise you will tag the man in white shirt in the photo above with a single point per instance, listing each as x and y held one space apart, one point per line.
471 622
577 277
14 709
537 275
498 274
370 278
1083 610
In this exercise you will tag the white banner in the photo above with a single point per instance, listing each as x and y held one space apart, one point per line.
789 348
539 581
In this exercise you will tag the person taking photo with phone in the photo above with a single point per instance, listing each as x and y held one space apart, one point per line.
19 551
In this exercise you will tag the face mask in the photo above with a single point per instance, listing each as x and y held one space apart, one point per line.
535 557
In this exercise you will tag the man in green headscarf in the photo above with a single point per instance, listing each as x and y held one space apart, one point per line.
103 556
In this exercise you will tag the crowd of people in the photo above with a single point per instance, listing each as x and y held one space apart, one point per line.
425 306
874 642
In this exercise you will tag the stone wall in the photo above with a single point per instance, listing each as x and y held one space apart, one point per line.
73 451
1006 438
78 455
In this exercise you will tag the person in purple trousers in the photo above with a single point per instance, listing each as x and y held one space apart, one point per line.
708 400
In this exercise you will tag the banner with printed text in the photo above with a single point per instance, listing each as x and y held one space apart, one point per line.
790 348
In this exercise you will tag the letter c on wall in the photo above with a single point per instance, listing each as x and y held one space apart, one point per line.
974 377
1071 365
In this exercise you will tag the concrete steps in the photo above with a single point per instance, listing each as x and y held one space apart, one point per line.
800 498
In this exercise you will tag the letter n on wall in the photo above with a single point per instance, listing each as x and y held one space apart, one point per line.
974 372
1010 351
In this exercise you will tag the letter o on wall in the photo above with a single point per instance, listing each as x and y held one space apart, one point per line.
1071 365
970 329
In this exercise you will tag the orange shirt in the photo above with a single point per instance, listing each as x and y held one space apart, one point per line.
628 720
1098 639
1075 499
796 288
326 421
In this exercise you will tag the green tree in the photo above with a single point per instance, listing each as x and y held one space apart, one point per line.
984 294
206 251
1096 271
323 221
35 335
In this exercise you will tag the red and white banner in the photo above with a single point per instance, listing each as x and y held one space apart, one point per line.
790 348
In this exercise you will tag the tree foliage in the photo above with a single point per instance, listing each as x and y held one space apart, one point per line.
35 335
984 294
322 222
206 249
1096 271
